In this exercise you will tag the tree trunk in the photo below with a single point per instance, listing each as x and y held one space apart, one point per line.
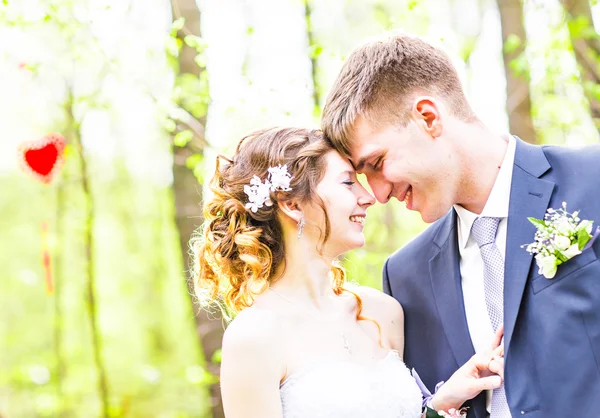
61 365
518 96
90 257
314 52
586 46
188 195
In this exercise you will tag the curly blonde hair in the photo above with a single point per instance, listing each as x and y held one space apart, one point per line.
237 252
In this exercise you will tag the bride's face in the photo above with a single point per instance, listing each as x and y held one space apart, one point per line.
346 202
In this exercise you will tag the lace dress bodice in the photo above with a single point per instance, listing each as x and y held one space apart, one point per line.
342 389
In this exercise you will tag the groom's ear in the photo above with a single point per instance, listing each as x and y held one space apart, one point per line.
426 114
291 209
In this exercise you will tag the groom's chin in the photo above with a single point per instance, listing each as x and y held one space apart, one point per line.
430 216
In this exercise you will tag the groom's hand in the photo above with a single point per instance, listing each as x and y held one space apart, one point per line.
472 378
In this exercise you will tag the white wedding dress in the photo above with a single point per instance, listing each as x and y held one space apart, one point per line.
342 389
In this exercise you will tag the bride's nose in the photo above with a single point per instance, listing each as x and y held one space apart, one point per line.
366 199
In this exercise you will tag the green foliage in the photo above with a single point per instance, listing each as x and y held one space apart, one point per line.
182 138
387 228
513 42
520 66
191 93
155 366
383 16
195 42
581 28
177 25
173 45
592 88
315 51
196 163
559 108
538 223
216 358
467 47
169 125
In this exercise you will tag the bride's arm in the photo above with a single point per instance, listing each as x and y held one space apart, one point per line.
475 376
251 370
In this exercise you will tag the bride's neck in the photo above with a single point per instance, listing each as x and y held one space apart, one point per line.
305 275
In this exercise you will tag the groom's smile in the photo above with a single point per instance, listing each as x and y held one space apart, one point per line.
407 198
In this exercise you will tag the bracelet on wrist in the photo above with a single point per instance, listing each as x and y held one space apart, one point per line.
451 413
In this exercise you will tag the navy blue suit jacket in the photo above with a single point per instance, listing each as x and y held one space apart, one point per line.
552 327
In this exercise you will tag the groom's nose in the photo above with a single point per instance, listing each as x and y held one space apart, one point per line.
381 188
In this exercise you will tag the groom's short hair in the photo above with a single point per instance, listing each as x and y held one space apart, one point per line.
379 80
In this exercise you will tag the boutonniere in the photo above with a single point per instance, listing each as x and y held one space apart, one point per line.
560 236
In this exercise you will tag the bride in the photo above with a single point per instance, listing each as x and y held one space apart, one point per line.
305 343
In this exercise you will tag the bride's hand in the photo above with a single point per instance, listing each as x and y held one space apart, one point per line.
476 375
497 362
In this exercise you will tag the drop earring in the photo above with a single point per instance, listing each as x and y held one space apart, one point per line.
300 225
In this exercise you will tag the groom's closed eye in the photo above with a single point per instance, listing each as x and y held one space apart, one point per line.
377 164
371 160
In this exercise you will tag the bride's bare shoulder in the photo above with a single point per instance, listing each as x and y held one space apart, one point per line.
383 306
252 327
388 313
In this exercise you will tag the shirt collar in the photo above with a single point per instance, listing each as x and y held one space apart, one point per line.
498 200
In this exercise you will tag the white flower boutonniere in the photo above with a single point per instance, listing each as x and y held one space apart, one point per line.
560 236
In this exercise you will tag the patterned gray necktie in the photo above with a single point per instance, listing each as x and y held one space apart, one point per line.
484 232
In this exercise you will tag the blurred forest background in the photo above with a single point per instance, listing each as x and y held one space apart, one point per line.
146 94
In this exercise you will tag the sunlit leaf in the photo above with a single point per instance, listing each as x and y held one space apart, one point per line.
195 42
172 45
198 375
178 24
216 357
412 4
512 43
194 160
578 27
200 60
182 138
467 48
315 51
169 125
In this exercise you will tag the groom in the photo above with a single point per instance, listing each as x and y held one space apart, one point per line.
398 111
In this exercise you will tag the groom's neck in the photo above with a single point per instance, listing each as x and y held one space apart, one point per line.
482 153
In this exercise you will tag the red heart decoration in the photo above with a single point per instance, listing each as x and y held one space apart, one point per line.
43 158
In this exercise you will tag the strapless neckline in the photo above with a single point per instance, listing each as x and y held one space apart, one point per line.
339 388
317 364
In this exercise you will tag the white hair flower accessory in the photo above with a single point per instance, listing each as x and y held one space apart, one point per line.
280 178
258 192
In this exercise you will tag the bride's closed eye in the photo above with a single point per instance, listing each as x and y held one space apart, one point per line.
349 183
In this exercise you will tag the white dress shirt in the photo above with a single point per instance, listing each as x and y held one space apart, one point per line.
471 263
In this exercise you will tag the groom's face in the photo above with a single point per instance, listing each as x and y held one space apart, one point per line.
406 163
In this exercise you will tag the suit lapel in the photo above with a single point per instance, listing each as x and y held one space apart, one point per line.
529 197
444 270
